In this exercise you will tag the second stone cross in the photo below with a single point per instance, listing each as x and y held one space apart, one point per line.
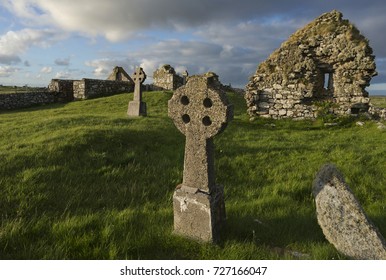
137 107
200 110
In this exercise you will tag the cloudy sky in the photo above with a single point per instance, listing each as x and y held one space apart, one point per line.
74 39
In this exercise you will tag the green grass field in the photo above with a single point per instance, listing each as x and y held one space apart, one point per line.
82 181
378 101
24 89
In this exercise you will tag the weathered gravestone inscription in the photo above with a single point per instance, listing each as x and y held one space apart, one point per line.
137 107
200 110
342 219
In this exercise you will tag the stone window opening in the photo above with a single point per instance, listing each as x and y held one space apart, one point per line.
328 81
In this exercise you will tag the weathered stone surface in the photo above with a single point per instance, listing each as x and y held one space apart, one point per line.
327 60
199 215
166 78
64 87
92 88
342 219
27 99
119 74
377 113
200 110
68 90
137 107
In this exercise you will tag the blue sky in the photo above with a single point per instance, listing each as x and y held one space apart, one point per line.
45 39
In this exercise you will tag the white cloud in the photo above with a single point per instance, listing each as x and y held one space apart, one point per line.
233 64
103 67
223 36
119 19
15 43
46 70
7 71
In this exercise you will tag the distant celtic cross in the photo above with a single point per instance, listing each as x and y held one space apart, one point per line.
200 111
138 78
137 107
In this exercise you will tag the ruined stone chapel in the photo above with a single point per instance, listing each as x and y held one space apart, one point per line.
327 60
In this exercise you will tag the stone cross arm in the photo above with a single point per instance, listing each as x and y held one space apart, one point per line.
139 75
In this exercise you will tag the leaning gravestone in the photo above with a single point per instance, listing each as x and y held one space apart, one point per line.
200 110
137 107
342 219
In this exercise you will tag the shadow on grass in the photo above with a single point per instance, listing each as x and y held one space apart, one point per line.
97 169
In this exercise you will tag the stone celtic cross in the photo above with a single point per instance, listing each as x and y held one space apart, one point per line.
200 111
137 107
139 77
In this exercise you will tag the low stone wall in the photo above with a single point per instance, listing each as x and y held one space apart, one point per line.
275 104
23 100
91 88
378 112
65 87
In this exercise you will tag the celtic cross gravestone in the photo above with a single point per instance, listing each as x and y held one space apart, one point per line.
200 110
137 107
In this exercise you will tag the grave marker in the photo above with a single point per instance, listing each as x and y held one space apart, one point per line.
137 107
343 220
200 110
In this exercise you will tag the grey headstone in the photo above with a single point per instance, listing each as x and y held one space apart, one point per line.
342 219
200 110
137 107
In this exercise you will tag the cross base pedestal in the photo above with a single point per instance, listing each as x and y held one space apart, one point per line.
136 108
199 215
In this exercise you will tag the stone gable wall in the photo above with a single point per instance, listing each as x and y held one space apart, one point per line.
119 74
327 60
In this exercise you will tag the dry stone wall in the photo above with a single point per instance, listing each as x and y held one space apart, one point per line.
23 100
378 113
68 90
65 91
91 88
327 60
65 87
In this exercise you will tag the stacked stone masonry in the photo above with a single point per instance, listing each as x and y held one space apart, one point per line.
23 100
119 74
68 90
378 113
326 61
91 88
165 78
65 87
